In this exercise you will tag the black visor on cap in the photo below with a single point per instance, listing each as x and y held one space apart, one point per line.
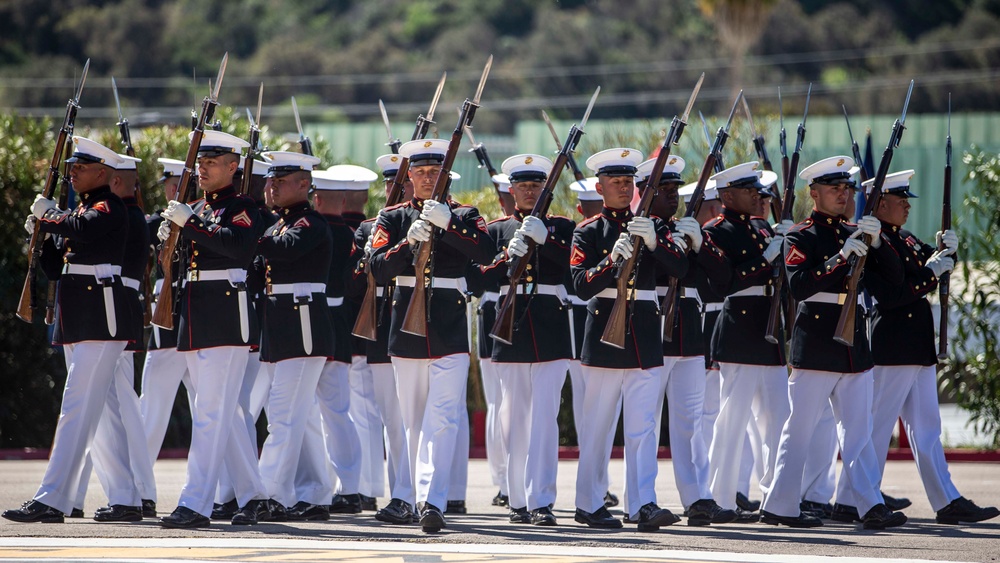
426 159
527 176
669 178
834 178
85 158
279 171
903 191
617 170
748 182
215 151
389 174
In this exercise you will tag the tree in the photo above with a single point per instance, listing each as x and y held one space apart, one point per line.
740 24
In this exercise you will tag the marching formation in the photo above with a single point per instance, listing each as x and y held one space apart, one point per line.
776 345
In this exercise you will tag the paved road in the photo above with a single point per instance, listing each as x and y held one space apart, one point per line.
484 533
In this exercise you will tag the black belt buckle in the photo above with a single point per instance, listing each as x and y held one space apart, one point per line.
106 282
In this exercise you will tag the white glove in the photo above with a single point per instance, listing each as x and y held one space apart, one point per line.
643 227
369 249
871 226
773 249
681 243
29 224
689 227
177 213
854 246
41 205
420 231
782 228
535 229
622 248
163 232
950 240
436 213
517 247
940 262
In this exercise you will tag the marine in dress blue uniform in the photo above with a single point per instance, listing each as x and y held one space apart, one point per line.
903 347
431 371
817 252
216 329
609 373
84 249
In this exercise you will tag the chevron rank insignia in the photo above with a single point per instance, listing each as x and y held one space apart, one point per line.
381 237
795 257
243 219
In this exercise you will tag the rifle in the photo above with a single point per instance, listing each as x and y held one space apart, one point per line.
366 325
417 312
761 149
254 149
64 188
718 166
163 315
483 157
778 270
782 142
29 300
503 328
305 145
944 282
669 303
844 334
570 161
855 151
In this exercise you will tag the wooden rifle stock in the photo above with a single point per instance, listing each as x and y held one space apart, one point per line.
944 282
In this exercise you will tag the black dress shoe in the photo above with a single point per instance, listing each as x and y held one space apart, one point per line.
118 513
520 515
652 517
800 521
706 511
894 503
964 510
600 518
455 507
303 511
431 519
746 517
225 511
34 511
396 512
369 504
500 500
255 512
879 517
543 517
76 513
278 511
148 508
345 504
610 500
743 503
845 513
184 517
817 509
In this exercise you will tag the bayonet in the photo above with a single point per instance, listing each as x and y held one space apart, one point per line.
118 102
298 122
385 121
746 109
906 104
253 124
590 108
732 112
219 77
694 96
948 145
783 144
260 102
482 81
850 133
83 80
472 140
437 97
704 126
552 130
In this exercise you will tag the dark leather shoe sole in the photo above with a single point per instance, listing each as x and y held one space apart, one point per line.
544 520
791 522
393 518
896 519
113 515
612 524
431 522
202 522
18 516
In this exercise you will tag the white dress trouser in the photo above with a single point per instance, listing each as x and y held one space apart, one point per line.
400 475
682 382
342 445
533 392
496 447
910 392
431 396
850 395
122 399
577 382
750 461
742 384
819 476
256 374
606 391
90 373
458 481
289 407
162 373
218 430
368 424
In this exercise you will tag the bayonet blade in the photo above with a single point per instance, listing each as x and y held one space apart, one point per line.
746 109
949 114
482 80
694 95
219 77
848 120
552 129
437 97
906 104
590 108
385 120
260 102
808 96
118 102
732 111
83 80
253 124
781 111
298 122
704 126
468 133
